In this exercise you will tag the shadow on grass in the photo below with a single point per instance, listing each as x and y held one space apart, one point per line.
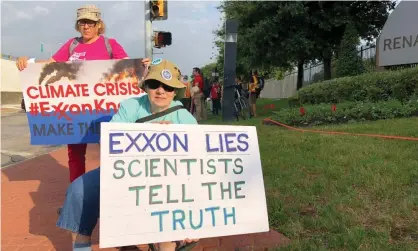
265 108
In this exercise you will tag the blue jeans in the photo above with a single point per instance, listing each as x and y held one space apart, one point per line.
82 203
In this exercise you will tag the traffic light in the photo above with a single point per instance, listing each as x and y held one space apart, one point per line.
158 9
162 39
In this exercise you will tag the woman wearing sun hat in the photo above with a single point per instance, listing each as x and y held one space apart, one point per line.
164 88
91 45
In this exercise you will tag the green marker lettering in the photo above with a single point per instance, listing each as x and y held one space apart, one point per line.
209 184
167 165
238 166
152 194
115 166
211 166
226 161
238 188
137 189
183 196
153 166
130 168
188 161
228 190
169 200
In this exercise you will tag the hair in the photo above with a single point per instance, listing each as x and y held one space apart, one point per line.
197 70
102 28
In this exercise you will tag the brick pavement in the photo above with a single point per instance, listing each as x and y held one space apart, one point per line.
33 190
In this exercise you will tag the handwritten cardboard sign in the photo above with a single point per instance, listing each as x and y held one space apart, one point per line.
66 102
171 182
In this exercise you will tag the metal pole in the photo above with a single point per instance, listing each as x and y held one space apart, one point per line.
230 62
148 30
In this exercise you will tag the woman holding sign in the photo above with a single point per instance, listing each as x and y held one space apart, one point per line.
91 45
164 88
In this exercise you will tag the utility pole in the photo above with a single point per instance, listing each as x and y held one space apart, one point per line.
230 63
148 30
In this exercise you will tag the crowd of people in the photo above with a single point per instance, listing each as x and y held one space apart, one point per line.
203 95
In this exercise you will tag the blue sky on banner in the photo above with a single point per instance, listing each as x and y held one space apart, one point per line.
27 24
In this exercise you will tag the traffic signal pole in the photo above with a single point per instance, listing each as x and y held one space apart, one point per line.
148 30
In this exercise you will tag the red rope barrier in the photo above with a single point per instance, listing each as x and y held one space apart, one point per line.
340 133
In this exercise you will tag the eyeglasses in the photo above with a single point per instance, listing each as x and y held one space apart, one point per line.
155 85
90 23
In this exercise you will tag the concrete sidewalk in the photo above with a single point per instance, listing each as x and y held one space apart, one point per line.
10 109
33 190
15 138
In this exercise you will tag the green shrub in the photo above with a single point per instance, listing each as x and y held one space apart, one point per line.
370 64
368 87
348 112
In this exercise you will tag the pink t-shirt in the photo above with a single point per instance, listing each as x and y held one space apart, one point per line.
94 51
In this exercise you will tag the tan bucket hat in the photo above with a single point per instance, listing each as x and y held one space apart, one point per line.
90 12
167 73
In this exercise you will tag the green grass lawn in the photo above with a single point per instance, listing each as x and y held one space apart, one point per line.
335 192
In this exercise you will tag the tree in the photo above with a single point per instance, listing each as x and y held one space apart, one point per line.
270 35
285 34
329 19
349 63
208 69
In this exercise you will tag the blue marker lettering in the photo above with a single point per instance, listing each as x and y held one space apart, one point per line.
160 217
112 143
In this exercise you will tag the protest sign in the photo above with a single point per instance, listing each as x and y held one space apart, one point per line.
171 182
65 102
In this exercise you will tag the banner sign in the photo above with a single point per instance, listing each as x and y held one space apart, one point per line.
162 183
65 102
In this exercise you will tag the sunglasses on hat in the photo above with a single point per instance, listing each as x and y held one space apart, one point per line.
153 85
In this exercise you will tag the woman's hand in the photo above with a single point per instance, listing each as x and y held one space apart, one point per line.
21 63
190 240
146 62
166 246
171 246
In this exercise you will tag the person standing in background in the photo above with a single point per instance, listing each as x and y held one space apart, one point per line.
238 85
253 93
215 95
192 107
199 97
187 97
243 91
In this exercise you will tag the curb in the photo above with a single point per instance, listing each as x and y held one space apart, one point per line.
11 163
